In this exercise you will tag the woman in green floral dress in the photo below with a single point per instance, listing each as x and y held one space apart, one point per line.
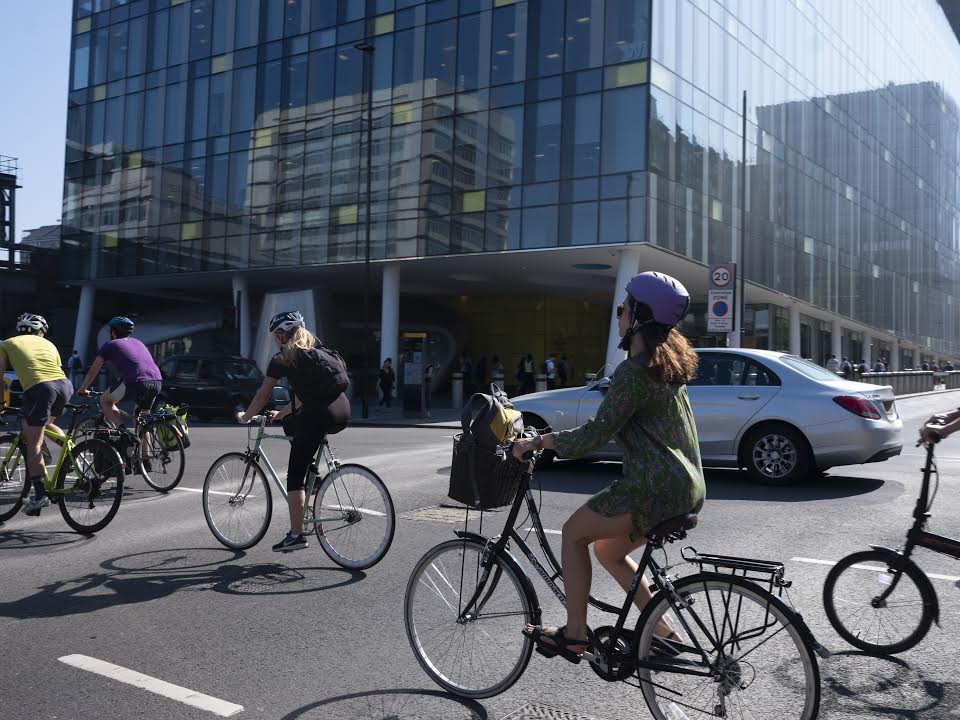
646 408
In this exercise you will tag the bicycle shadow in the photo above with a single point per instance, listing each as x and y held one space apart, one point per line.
167 575
859 685
394 704
33 539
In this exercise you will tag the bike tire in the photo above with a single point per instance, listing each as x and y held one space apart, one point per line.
164 481
431 608
236 477
87 428
352 500
14 479
92 469
855 635
726 606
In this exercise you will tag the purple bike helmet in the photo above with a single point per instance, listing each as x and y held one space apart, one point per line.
666 297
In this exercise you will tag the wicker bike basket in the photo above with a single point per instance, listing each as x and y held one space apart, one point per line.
482 479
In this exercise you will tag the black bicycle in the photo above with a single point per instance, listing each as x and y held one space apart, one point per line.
878 600
154 447
746 652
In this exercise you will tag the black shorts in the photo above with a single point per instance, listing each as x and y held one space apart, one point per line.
142 392
45 400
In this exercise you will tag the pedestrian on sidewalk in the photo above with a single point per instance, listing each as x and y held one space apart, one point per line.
563 371
550 367
427 386
75 366
388 379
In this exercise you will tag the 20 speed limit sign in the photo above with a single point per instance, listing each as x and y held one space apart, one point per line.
721 276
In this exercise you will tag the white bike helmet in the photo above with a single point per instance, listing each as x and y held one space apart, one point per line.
286 322
30 323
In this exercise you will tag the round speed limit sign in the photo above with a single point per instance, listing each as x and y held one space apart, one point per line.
721 277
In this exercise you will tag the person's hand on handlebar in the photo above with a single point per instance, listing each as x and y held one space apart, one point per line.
931 433
83 393
523 448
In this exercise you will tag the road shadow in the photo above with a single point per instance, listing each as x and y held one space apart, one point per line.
587 478
162 575
398 704
859 685
33 539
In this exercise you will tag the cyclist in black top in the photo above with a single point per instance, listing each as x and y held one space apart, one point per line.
312 419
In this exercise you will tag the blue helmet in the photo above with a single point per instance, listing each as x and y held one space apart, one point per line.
122 325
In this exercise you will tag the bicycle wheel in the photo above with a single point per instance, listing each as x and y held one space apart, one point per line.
902 621
14 483
236 501
91 478
87 428
486 653
160 456
752 656
354 517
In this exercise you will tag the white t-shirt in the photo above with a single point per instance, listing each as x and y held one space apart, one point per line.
551 370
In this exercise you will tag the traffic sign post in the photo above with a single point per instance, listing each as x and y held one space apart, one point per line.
721 300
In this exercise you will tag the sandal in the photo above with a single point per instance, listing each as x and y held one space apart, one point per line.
560 644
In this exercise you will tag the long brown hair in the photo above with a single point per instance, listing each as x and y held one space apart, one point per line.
670 358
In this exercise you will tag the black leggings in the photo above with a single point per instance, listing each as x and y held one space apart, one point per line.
311 426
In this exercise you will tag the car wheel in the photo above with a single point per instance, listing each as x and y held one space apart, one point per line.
547 456
776 455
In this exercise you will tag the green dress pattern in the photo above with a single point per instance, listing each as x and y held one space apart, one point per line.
653 423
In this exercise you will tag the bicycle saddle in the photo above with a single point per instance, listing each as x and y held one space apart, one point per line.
677 524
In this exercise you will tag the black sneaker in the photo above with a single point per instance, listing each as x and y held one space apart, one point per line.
147 465
289 543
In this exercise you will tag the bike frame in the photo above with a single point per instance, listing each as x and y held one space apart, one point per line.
66 450
256 455
917 535
498 546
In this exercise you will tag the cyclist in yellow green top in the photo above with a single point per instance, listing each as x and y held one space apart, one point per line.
45 391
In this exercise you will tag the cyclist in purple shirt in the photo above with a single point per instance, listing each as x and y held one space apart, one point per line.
140 377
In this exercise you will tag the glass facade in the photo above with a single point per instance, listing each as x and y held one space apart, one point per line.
223 134
852 154
214 135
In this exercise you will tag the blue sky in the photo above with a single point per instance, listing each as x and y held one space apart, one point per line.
36 53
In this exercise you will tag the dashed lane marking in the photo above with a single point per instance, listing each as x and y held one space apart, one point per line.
874 568
152 684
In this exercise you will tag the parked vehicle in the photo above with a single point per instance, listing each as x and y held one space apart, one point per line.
10 388
775 414
214 385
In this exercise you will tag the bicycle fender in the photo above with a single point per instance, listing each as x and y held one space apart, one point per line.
926 591
510 560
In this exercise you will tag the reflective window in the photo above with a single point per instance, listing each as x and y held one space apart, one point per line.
624 122
320 79
218 120
295 82
175 111
542 157
584 34
248 22
440 58
178 34
197 126
158 40
539 227
200 23
545 38
80 67
243 97
627 31
223 24
581 128
153 118
473 70
100 49
508 51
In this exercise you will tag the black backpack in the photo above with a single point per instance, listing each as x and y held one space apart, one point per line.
323 374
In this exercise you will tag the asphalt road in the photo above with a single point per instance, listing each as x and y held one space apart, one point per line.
294 636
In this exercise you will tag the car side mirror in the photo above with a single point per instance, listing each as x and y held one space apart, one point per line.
603 384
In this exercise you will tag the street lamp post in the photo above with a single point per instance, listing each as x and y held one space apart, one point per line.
367 49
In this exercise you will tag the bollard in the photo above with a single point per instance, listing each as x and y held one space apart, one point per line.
541 383
456 388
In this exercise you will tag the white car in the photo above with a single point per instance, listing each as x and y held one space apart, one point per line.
775 414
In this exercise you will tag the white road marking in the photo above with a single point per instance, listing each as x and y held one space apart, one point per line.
813 561
546 530
211 492
151 684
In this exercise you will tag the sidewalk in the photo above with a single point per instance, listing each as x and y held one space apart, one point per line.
393 417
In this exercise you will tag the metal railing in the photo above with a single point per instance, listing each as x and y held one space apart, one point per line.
8 165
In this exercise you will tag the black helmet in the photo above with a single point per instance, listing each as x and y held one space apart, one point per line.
286 322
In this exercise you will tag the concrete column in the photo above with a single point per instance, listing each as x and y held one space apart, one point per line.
794 329
868 350
895 358
629 266
241 301
81 335
390 314
916 358
836 339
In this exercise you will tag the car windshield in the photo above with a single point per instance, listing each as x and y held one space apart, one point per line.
811 370
239 370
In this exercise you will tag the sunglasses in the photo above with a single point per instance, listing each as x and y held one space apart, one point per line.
620 309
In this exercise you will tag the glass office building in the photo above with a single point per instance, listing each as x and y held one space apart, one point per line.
214 139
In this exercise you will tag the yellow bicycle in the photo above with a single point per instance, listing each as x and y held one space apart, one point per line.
86 482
